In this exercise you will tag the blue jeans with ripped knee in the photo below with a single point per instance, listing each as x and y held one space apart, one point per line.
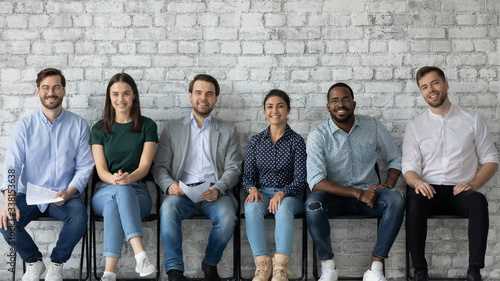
320 205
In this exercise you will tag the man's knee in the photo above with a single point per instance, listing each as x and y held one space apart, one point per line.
475 199
314 206
314 202
397 199
226 213
168 206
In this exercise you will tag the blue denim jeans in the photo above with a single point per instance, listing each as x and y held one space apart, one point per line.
122 207
74 215
174 209
284 228
319 205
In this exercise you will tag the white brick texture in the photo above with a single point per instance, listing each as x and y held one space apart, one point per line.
251 47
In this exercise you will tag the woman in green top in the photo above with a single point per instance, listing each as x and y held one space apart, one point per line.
123 145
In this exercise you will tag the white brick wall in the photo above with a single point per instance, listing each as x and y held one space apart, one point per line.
252 46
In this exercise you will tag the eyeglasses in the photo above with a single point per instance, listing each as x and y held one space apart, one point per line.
55 89
336 101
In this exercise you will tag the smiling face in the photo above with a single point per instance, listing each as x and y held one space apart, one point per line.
434 89
340 105
122 97
51 92
276 110
203 98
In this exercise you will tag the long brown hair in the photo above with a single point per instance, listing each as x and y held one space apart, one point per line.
108 116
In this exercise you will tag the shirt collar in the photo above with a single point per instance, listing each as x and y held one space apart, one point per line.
334 128
437 116
46 120
206 122
288 131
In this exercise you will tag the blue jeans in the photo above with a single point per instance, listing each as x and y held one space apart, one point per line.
284 228
122 207
174 209
319 205
74 215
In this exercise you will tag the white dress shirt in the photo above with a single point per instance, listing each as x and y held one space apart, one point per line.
447 150
198 167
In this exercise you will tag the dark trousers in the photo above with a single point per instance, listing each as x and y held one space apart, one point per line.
471 204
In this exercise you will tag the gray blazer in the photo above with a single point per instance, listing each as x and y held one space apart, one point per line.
173 147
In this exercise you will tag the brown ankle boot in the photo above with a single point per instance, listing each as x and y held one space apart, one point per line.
263 268
281 269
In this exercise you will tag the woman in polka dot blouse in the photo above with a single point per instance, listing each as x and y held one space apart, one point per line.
274 176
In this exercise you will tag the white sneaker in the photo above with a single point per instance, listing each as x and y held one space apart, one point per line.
145 267
33 271
329 275
373 276
107 278
54 273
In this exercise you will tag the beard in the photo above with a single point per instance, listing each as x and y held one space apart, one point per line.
202 112
439 102
56 104
343 119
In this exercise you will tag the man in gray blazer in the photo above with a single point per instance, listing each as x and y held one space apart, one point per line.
194 150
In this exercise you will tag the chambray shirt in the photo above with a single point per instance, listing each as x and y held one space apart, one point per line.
53 156
198 167
349 158
281 165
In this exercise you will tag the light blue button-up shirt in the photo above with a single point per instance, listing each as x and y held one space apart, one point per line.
53 156
349 158
198 167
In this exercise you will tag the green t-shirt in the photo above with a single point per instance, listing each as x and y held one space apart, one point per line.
122 148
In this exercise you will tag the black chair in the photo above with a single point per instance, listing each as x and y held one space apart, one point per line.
350 217
152 217
408 260
84 255
302 217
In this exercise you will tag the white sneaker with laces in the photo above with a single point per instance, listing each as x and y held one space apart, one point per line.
33 271
374 275
54 273
145 267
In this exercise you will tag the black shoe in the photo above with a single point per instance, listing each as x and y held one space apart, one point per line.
210 271
475 276
176 275
421 275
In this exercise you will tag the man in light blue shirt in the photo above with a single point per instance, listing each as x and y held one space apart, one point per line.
48 148
341 159
194 149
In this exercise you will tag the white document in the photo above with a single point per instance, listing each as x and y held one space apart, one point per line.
194 192
38 195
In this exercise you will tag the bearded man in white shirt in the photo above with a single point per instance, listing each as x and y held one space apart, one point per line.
442 149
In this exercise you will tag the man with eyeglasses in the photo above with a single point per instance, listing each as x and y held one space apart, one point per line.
48 148
341 160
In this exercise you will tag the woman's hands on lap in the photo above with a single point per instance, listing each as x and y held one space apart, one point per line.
254 195
275 201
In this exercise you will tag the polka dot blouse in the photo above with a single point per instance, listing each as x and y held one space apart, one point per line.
281 165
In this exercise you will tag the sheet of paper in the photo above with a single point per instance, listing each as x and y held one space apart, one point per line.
194 192
38 195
